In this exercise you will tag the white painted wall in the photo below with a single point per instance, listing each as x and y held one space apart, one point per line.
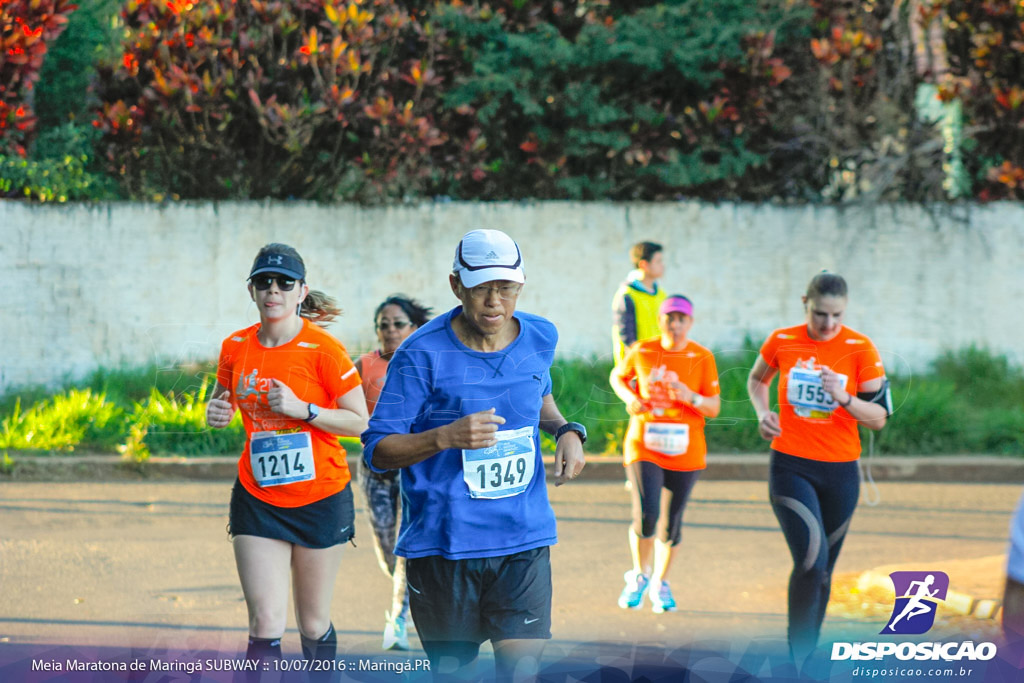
110 284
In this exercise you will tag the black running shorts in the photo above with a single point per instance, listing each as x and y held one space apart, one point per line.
322 524
473 600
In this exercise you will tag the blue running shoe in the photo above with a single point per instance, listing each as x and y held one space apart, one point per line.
632 596
662 600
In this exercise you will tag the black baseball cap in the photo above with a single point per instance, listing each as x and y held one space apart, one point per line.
278 263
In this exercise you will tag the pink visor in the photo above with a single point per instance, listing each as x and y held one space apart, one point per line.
676 304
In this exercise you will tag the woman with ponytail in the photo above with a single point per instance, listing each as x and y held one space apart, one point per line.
291 506
831 380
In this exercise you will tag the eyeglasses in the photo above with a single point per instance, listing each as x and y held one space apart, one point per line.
505 292
263 282
398 325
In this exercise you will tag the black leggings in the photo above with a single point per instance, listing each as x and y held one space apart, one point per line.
648 480
813 502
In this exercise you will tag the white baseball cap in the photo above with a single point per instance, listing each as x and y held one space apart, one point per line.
486 255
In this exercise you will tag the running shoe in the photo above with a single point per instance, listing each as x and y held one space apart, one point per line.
396 636
632 596
662 600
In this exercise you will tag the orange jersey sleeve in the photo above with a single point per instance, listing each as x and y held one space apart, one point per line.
374 370
671 434
813 425
316 367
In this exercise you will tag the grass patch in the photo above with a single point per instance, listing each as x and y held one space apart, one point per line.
968 402
136 412
62 422
169 424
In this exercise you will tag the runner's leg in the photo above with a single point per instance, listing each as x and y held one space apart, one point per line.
444 598
314 572
648 480
679 485
399 593
795 503
263 568
838 488
516 612
517 659
381 503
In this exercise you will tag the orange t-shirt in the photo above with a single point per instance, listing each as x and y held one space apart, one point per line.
813 425
317 368
671 435
373 368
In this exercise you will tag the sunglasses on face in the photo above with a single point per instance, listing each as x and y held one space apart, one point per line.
263 282
505 292
398 325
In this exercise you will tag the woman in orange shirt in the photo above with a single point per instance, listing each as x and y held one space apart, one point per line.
291 506
395 319
830 380
676 387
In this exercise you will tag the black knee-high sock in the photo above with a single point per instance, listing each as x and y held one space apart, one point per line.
261 650
323 648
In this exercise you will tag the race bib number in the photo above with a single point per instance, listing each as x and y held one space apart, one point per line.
281 457
808 397
505 469
667 438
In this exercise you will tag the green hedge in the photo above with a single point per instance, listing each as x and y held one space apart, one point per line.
968 402
708 99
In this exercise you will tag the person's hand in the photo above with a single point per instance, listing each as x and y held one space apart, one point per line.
638 407
282 400
680 391
219 410
476 430
569 458
832 386
768 426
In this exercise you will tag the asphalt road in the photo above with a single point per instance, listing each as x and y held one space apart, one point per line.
148 567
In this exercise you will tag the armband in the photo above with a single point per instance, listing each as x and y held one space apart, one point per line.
882 397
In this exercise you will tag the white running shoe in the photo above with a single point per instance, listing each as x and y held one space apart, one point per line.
396 635
632 596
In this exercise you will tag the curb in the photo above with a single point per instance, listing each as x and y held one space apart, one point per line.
115 467
732 467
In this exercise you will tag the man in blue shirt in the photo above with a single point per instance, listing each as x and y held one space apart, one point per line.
459 414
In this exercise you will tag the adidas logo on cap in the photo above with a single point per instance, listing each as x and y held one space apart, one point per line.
491 255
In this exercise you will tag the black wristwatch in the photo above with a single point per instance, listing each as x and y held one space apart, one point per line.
314 412
572 427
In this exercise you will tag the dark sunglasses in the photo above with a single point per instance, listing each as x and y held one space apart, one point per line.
263 282
398 325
